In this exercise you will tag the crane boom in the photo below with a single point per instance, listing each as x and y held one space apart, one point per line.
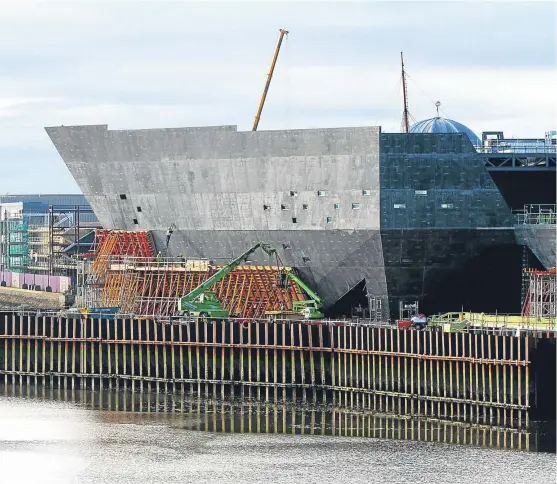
310 292
268 82
187 301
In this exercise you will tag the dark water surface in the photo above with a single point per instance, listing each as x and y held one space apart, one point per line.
85 437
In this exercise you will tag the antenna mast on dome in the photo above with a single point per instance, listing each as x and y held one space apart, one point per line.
405 126
437 104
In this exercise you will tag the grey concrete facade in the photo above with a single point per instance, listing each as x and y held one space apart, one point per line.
342 205
541 240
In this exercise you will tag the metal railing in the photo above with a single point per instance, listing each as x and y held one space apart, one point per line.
505 147
536 214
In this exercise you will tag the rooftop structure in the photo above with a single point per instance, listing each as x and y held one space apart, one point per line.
444 125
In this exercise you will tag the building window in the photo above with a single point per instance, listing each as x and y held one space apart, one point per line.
355 206
123 197
139 209
399 205
266 207
305 259
329 220
337 206
294 220
135 221
447 206
366 193
284 207
420 192
286 246
305 206
321 193
293 194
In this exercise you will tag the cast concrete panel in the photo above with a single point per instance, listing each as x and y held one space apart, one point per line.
541 240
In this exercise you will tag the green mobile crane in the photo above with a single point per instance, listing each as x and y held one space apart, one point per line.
308 308
201 302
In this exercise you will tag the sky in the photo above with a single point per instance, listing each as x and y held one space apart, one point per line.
146 64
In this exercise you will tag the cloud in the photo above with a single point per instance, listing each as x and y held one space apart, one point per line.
155 64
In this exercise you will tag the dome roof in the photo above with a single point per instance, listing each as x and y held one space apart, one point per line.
444 125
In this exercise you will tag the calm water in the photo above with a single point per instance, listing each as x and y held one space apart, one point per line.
49 440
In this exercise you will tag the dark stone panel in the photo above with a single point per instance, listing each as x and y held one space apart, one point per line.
437 182
428 265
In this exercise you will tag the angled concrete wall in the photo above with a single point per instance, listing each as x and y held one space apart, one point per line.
314 194
541 240
219 179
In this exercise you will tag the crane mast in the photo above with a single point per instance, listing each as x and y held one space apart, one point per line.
405 98
268 82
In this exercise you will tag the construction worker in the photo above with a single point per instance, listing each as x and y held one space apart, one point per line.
182 259
168 234
159 258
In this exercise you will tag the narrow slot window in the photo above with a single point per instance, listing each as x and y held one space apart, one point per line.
355 206
321 193
399 205
293 193
337 206
294 220
266 207
329 220
366 193
305 206
139 209
447 206
135 221
284 207
420 192
123 196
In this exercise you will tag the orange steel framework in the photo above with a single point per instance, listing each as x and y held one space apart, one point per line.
110 245
153 288
123 242
126 274
541 297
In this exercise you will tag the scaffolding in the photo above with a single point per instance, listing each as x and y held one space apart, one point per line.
151 288
125 274
541 296
536 214
66 226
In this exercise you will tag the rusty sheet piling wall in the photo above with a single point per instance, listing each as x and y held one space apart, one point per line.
474 378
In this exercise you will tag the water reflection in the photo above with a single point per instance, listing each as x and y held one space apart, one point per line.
252 416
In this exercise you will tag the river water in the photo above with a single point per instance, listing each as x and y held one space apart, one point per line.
71 439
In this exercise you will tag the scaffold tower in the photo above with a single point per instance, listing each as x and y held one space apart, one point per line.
541 297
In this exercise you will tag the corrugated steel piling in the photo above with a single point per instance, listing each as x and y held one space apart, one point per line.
479 378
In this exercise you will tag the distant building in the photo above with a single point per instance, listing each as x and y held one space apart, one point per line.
33 228
58 200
